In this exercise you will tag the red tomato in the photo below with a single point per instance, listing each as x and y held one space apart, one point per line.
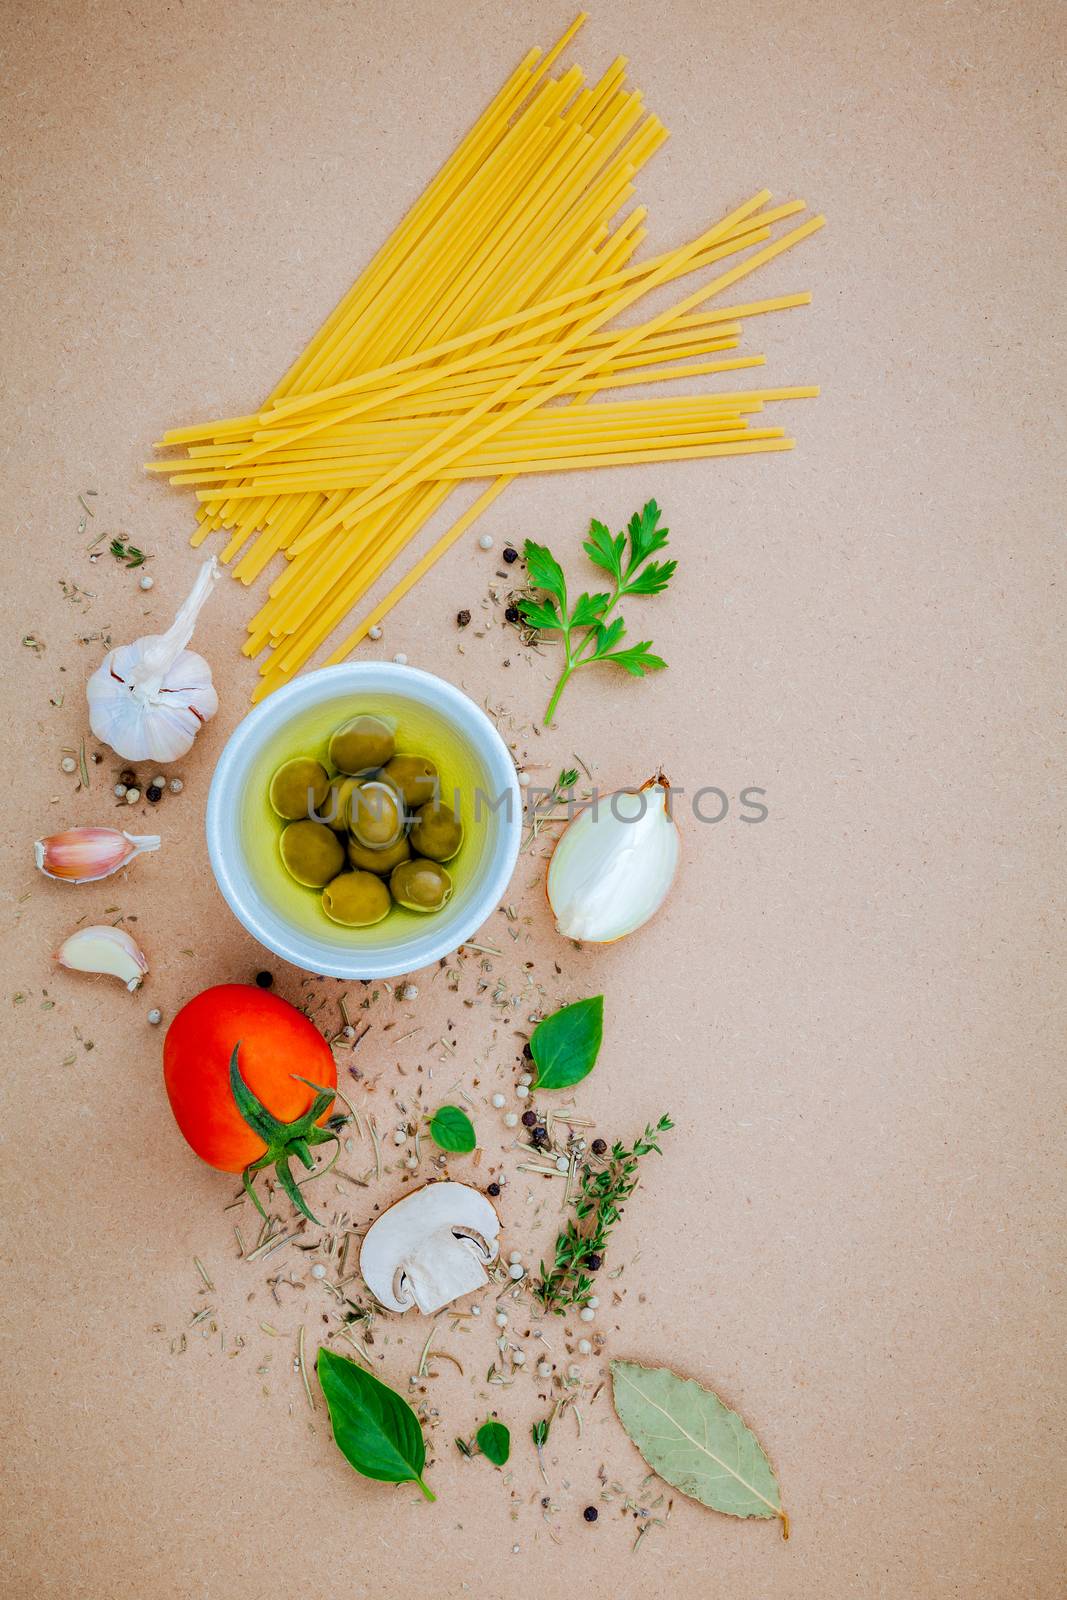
276 1041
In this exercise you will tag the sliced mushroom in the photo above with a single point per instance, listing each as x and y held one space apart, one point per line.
430 1247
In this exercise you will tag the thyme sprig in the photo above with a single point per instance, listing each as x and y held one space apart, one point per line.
602 1193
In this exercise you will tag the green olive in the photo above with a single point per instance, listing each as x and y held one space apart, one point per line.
334 809
311 853
362 745
415 777
375 816
380 861
298 787
356 900
421 885
437 832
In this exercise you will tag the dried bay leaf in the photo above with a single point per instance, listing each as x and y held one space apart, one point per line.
694 1442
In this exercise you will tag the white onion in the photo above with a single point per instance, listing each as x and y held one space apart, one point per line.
614 864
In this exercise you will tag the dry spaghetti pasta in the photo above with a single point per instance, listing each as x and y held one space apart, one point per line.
482 341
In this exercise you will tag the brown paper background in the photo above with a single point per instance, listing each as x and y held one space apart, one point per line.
854 1011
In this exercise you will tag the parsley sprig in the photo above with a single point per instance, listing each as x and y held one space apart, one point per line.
587 634
602 1194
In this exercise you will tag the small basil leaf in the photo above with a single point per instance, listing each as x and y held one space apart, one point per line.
565 1045
453 1130
494 1441
373 1427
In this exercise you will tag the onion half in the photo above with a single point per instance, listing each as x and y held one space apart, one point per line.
614 864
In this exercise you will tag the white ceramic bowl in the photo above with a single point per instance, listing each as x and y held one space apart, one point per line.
433 718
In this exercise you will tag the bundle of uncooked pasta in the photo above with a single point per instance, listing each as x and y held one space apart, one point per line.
490 302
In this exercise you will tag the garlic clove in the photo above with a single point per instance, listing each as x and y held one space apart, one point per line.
84 855
107 950
614 864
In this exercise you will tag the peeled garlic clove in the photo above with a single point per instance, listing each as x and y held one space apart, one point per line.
104 949
83 855
614 864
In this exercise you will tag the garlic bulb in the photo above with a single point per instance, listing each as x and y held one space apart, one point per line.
104 949
149 700
614 864
84 855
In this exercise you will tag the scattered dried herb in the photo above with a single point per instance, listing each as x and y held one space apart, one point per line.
601 1197
587 635
539 1435
127 553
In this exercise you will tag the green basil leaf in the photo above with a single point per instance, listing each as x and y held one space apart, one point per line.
494 1441
453 1130
373 1427
565 1046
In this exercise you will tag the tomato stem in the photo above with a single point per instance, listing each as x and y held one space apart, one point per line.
282 1139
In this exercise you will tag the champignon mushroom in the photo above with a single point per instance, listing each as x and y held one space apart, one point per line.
430 1247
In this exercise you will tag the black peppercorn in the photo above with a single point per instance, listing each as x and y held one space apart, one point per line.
127 776
510 554
512 614
529 1119
265 980
590 1513
599 1146
462 618
153 793
593 1263
493 1189
540 1136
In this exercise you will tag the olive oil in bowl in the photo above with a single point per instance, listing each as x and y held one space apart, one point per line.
430 718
